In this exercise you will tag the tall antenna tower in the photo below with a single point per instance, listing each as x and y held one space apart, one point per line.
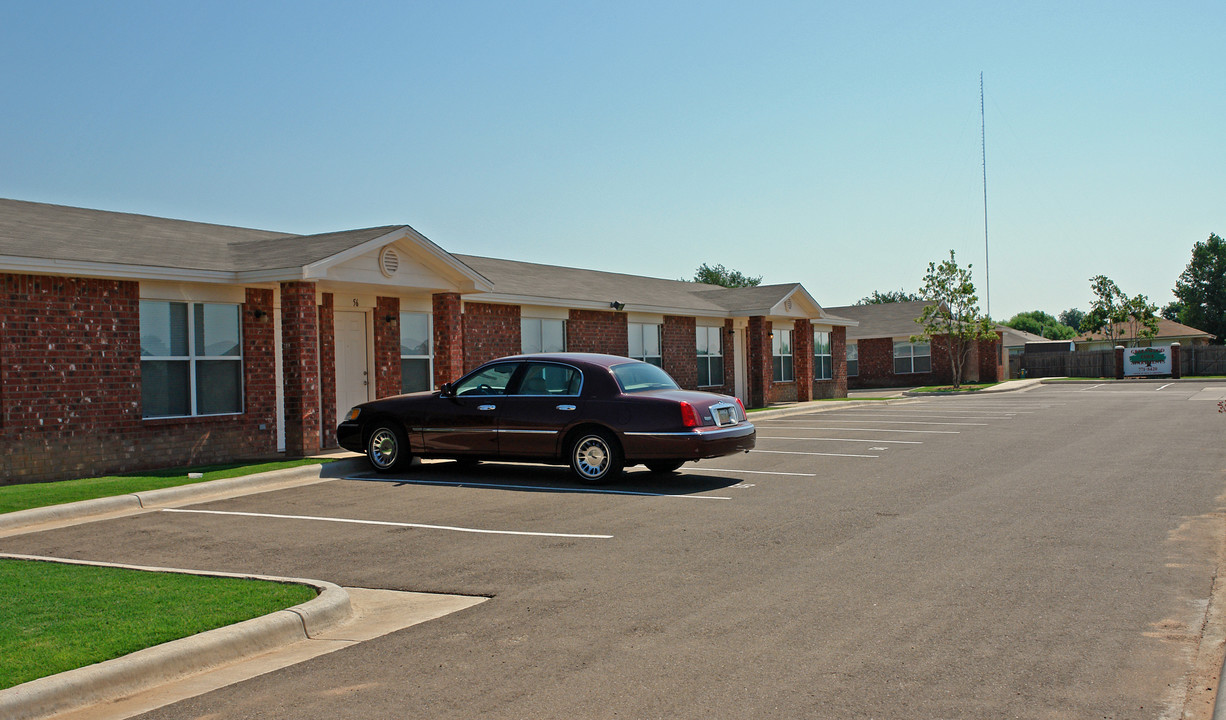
983 147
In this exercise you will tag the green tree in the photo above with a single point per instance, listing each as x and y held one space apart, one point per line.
1040 323
1201 288
1118 316
720 275
889 296
1072 317
1171 310
953 313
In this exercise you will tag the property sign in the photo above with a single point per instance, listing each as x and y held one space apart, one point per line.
1147 361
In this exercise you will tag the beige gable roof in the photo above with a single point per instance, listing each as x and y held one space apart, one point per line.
893 320
1166 329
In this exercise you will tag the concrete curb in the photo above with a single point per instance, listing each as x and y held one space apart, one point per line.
1006 386
177 659
819 406
1142 380
169 497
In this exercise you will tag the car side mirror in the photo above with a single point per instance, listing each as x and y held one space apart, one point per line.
447 390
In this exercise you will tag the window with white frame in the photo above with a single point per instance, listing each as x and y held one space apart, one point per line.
912 357
781 355
541 335
416 357
853 359
191 359
710 356
823 364
645 342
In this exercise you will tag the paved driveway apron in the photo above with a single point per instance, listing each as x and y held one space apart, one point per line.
1041 554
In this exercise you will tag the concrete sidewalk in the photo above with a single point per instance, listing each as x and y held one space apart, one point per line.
156 676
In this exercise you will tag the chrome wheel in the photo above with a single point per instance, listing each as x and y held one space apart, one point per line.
595 458
384 448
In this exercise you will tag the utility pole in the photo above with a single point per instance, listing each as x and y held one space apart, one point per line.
983 146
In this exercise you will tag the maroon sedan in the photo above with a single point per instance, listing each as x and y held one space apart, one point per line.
597 413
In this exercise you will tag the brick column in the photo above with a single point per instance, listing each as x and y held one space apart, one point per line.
1176 353
838 361
679 351
448 338
802 358
327 371
1119 362
387 346
300 367
758 351
260 370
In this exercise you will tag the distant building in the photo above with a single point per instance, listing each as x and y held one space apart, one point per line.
880 352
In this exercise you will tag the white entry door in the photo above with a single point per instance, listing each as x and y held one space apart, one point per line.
352 372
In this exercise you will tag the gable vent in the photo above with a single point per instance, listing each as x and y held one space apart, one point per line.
389 261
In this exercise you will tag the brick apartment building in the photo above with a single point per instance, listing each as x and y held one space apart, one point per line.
129 341
880 352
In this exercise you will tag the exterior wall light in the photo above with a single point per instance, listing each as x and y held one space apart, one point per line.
617 305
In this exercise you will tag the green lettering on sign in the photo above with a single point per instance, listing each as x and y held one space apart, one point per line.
1148 355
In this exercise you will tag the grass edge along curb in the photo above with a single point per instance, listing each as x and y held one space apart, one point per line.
90 509
180 658
64 492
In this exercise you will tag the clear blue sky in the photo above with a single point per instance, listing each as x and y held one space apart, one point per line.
834 144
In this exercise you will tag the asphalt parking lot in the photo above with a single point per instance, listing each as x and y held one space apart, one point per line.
1050 553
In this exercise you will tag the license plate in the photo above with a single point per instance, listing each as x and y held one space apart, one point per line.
725 416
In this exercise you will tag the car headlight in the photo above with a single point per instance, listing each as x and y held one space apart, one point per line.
353 414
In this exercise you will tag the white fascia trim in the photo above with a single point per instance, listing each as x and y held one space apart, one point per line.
116 271
593 305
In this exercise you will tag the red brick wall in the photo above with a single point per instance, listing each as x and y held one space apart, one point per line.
679 351
597 332
490 331
387 346
760 370
448 338
991 359
259 375
71 399
327 371
300 368
836 386
802 358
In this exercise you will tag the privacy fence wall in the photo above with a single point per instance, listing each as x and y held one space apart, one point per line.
1194 360
1203 360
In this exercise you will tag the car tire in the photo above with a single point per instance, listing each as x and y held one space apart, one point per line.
387 448
663 467
595 458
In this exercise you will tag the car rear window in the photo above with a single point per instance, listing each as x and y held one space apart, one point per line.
641 377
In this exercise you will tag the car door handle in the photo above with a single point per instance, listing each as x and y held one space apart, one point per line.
486 407
566 407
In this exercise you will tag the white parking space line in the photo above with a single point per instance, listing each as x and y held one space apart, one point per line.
797 452
904 422
745 472
864 440
1165 386
920 414
389 524
893 430
497 486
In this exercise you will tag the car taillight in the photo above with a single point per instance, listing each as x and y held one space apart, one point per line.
689 416
741 405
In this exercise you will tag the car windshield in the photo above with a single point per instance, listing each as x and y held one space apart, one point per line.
641 377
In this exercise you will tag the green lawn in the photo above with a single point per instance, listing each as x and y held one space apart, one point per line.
56 617
32 495
965 388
